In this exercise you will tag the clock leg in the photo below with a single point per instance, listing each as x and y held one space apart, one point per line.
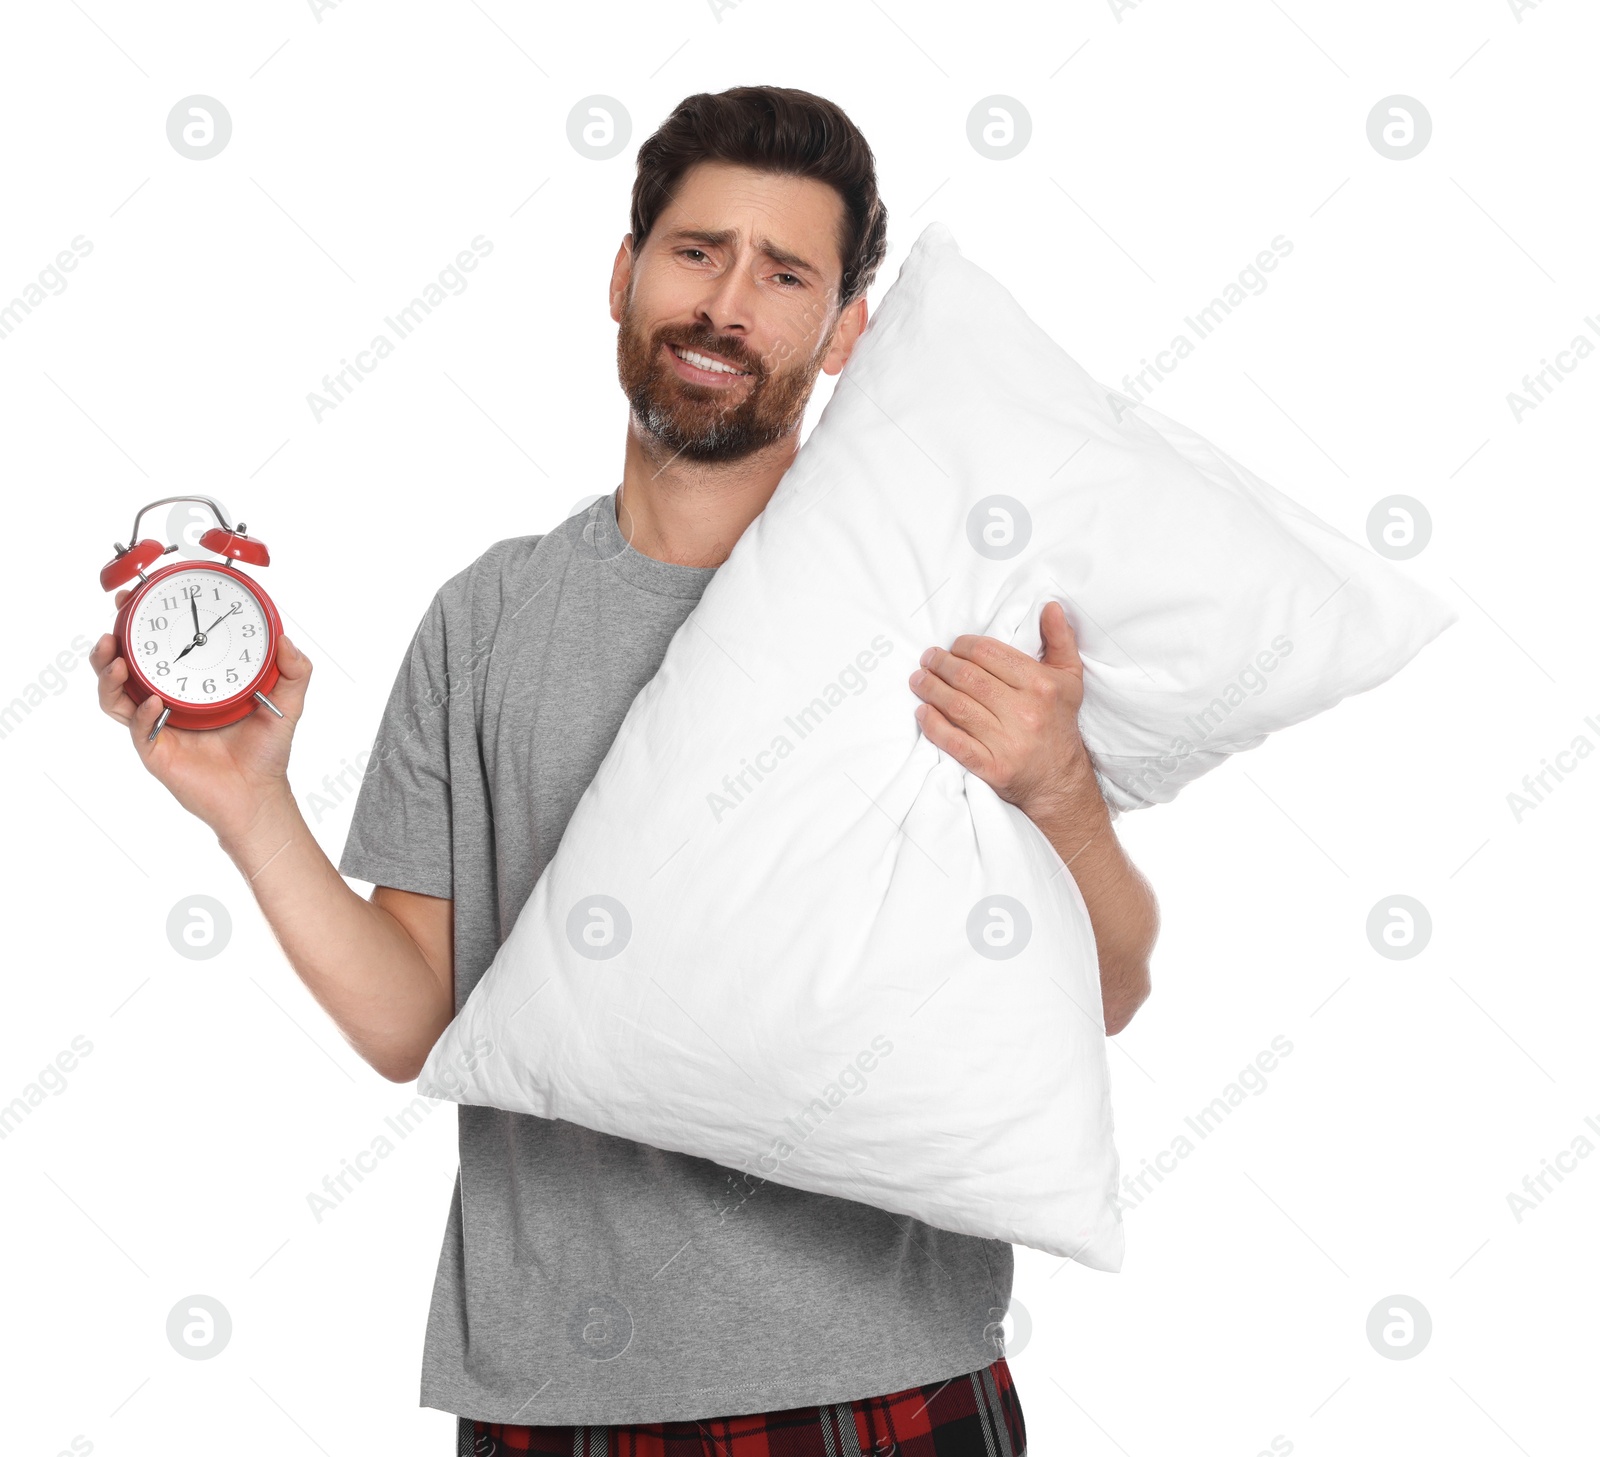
161 723
269 703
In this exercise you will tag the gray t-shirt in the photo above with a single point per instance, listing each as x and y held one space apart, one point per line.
587 1279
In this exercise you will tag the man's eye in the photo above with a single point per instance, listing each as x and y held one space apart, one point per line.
688 251
792 280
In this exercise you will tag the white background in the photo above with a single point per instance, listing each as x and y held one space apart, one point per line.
1171 143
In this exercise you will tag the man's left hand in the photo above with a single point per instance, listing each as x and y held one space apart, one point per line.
1010 719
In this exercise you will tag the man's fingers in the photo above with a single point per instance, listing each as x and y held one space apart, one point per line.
292 663
960 746
975 673
294 673
998 659
1060 641
111 677
954 705
141 721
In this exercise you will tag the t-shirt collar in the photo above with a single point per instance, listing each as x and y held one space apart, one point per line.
668 579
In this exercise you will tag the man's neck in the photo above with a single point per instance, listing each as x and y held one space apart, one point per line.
691 513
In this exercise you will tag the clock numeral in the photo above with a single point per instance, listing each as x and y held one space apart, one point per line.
182 682
209 686
244 657
187 592
161 670
158 624
149 647
170 603
248 630
232 676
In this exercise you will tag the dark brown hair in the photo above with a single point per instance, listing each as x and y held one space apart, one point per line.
773 129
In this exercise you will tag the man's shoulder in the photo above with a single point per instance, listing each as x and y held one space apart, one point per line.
510 558
509 555
506 572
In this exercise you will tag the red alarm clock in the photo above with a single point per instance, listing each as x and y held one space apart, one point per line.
199 635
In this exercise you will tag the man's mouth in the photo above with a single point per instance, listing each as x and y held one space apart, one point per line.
708 362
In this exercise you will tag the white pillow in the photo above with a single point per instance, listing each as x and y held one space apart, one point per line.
782 930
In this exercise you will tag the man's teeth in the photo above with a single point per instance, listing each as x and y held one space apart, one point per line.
705 361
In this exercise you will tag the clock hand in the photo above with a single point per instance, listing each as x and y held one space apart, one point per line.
194 612
200 637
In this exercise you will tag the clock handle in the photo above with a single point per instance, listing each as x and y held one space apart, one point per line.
269 703
216 511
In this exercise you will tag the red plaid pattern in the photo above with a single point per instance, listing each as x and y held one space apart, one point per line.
976 1415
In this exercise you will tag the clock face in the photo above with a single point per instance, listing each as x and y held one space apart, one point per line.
199 636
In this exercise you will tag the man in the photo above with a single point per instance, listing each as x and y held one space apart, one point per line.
595 1295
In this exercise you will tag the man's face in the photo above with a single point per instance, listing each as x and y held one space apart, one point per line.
728 311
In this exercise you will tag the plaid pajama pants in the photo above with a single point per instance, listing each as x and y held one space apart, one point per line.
976 1415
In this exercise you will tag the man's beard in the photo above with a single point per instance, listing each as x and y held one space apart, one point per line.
703 422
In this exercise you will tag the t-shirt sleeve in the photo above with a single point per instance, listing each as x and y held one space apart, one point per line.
400 832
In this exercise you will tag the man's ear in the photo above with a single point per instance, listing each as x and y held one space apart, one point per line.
845 333
621 273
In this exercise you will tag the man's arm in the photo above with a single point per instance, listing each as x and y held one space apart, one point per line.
381 969
1122 906
1013 721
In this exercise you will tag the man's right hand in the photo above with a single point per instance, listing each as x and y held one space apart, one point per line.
226 776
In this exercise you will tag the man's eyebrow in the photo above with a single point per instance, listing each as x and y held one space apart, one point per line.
726 238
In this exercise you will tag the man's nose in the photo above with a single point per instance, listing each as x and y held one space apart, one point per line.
729 305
